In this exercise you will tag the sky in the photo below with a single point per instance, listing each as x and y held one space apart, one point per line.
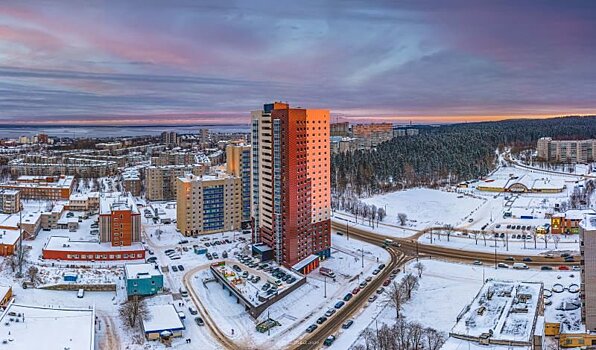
191 62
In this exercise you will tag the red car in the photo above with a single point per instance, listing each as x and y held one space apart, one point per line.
386 283
564 268
355 291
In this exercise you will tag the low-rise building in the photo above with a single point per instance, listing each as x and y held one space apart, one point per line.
63 248
42 187
208 204
5 295
142 279
84 202
568 222
160 319
9 241
10 201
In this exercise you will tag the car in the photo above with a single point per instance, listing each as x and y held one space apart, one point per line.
236 268
183 241
245 274
291 280
395 271
209 256
348 296
362 284
569 259
169 251
174 268
477 262
372 298
508 227
286 278
215 255
224 254
355 291
502 235
386 282
321 320
347 324
549 256
180 267
546 268
192 310
523 236
176 257
311 328
339 304
330 339
376 272
256 279
228 241
576 268
527 259
564 255
510 258
564 268
199 321
470 220
265 287
498 226
368 279
380 290
152 259
382 266
523 227
207 244
503 266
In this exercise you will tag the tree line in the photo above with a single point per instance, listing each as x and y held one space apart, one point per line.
445 154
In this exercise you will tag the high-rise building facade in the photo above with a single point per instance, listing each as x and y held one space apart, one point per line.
119 219
238 164
587 248
208 204
291 184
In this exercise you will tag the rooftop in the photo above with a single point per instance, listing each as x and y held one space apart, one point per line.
63 243
589 222
117 201
161 318
140 271
35 327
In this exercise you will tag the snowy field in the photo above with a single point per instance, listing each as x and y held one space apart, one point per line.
446 288
426 207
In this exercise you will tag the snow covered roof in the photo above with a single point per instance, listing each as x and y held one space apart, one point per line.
141 271
63 243
161 318
37 327
589 222
461 344
305 262
117 201
8 236
502 311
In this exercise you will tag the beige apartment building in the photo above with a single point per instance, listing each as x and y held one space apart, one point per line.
160 181
208 204
566 151
42 187
10 201
588 270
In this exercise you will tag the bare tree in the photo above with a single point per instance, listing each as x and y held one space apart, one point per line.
410 283
133 311
449 230
402 218
434 339
32 273
395 297
420 268
21 256
556 240
11 262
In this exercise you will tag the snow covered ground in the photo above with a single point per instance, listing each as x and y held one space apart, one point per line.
446 288
303 306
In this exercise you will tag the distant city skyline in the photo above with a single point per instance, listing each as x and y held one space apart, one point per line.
190 62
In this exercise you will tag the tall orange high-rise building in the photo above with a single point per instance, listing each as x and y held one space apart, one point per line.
119 219
291 185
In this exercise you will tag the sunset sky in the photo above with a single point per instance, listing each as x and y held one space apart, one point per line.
192 61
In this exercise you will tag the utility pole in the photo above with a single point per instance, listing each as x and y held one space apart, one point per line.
325 286
495 253
347 231
362 259
417 251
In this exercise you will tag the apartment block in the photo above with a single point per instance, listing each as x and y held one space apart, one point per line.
42 187
10 201
566 151
291 184
238 163
160 181
131 181
208 204
370 135
588 270
119 219
169 137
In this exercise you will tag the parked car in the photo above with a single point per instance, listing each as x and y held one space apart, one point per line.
180 267
224 254
386 282
510 258
362 284
174 268
380 290
527 259
372 298
477 262
503 266
564 255
199 321
382 266
368 279
576 268
546 268
376 272
339 304
347 324
355 291
569 259
321 319
330 339
192 310
311 328
564 268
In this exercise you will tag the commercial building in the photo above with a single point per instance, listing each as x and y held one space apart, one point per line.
43 327
566 151
160 319
160 181
119 219
527 183
63 248
208 204
10 201
568 222
587 234
370 135
131 181
503 313
291 183
42 187
142 279
238 163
